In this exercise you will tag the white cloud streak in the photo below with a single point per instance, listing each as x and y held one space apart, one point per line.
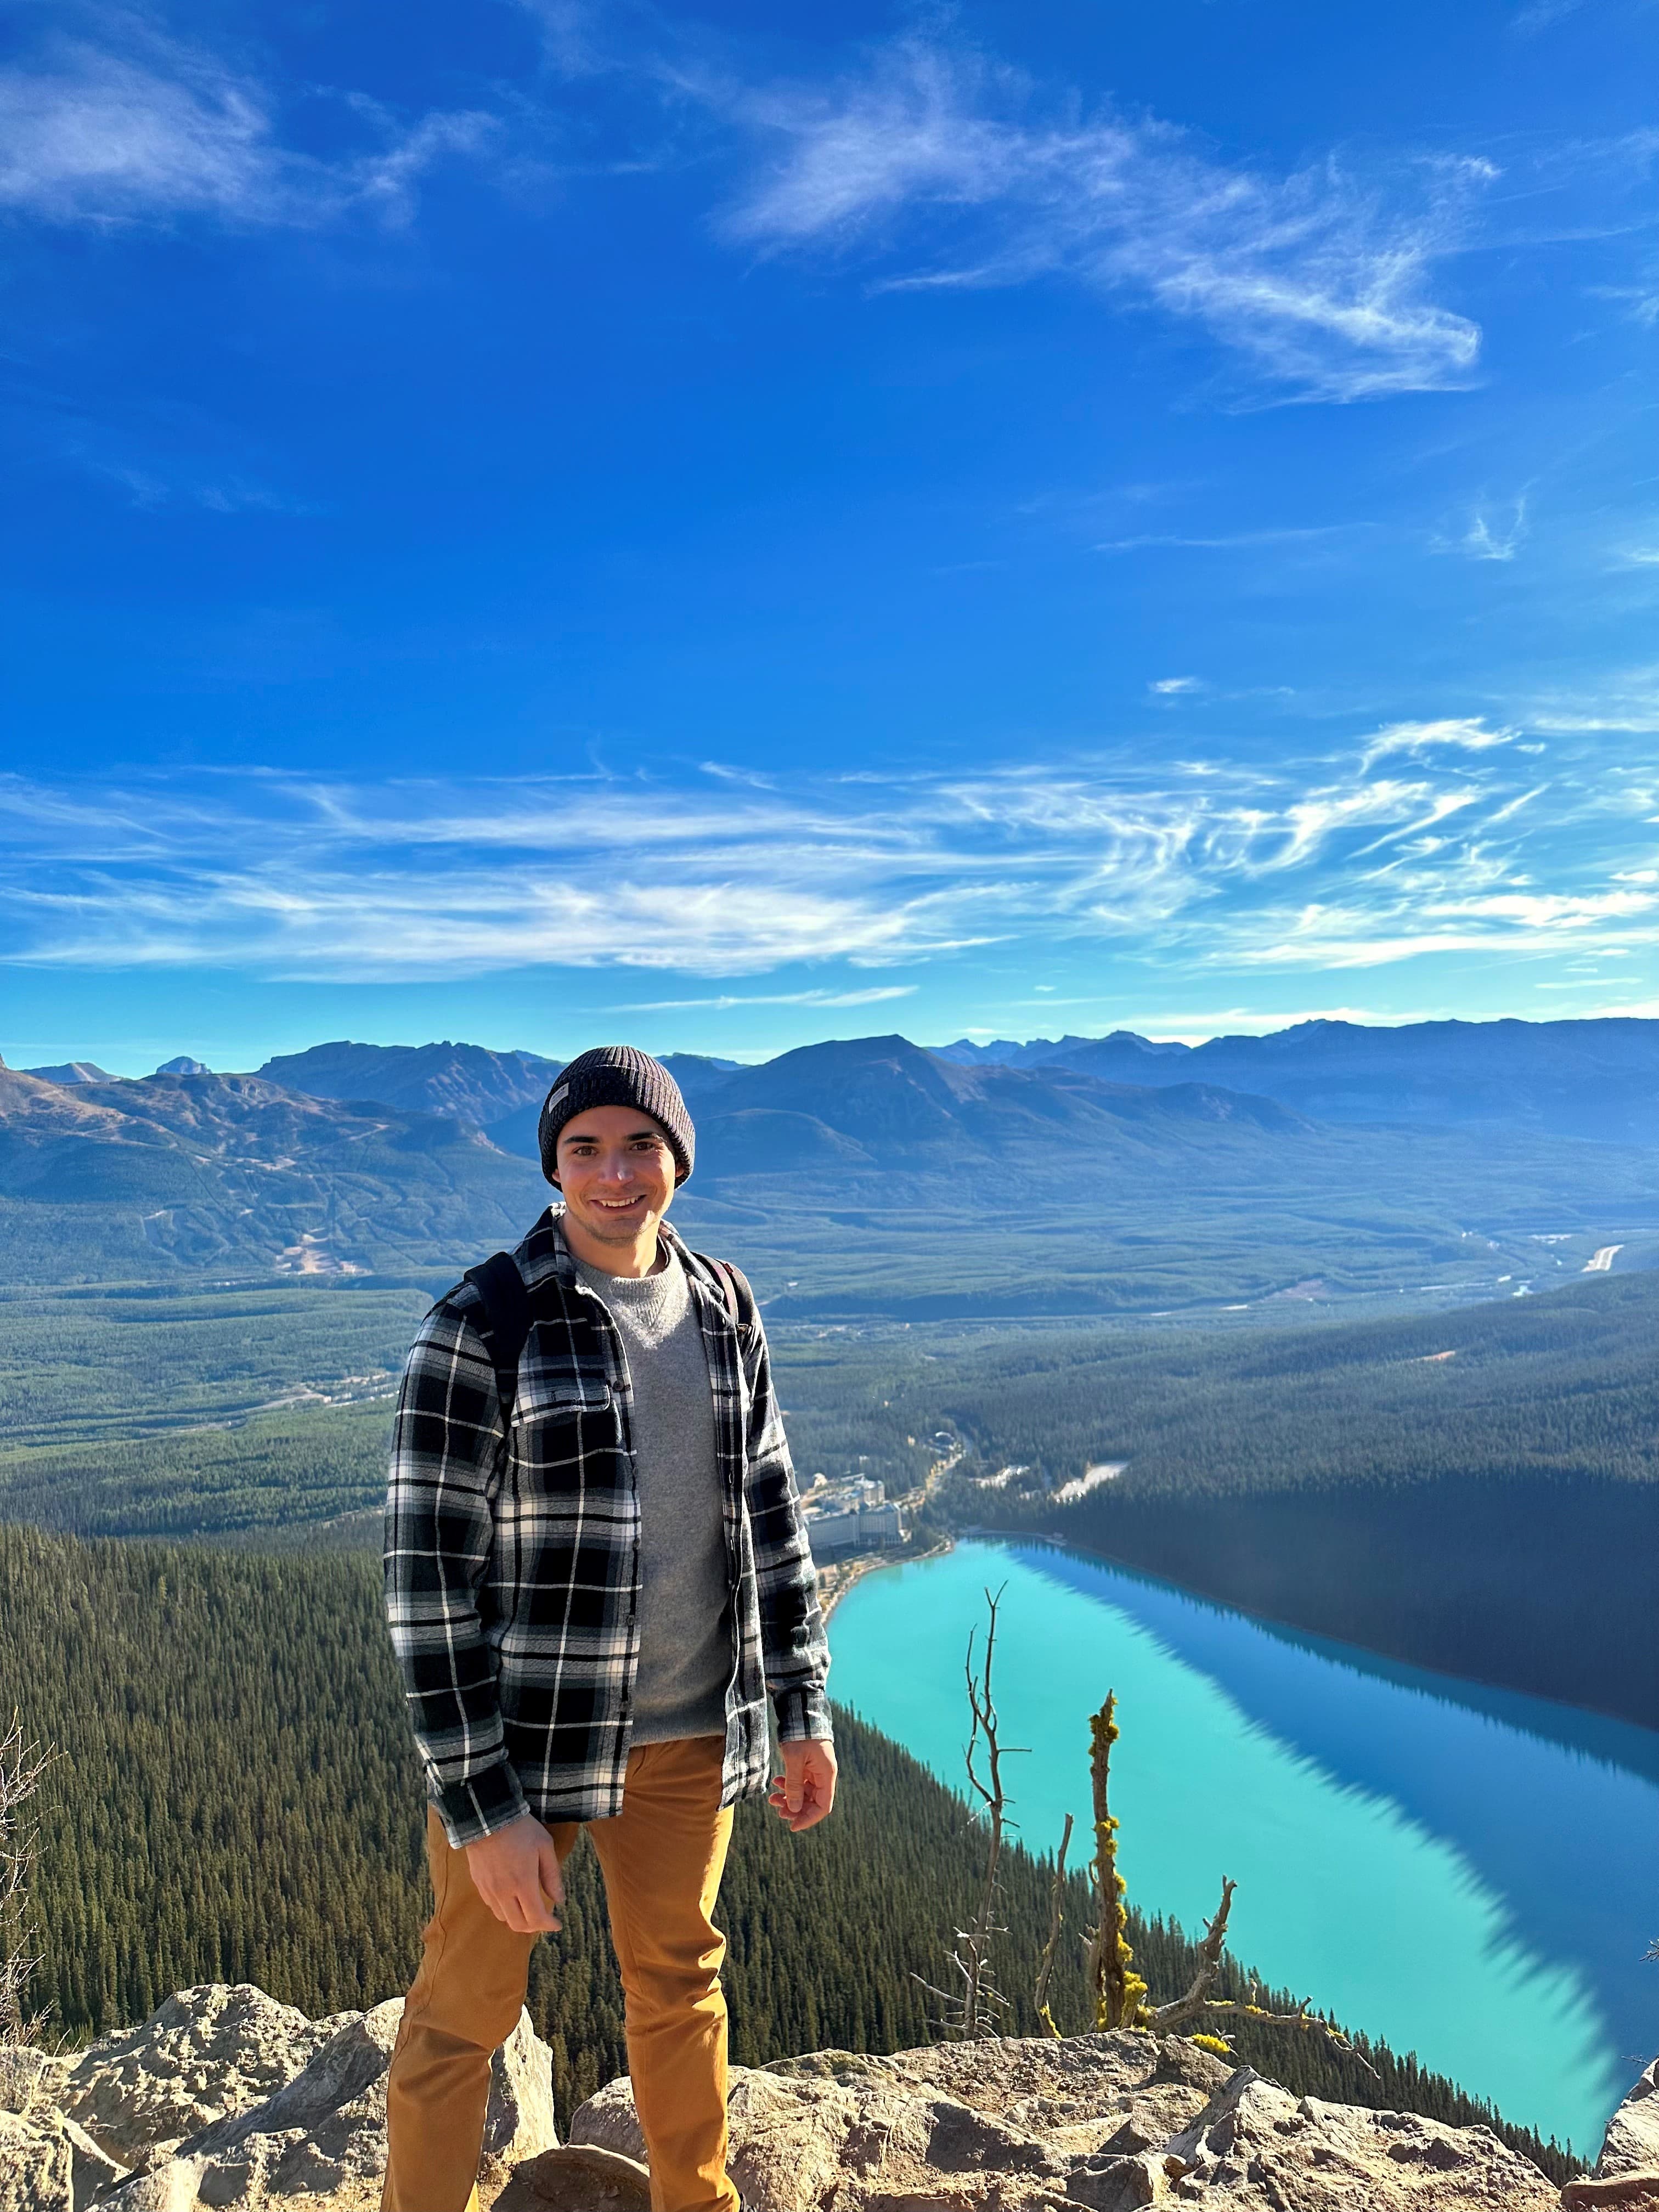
125 126
1424 838
1491 535
932 161
875 996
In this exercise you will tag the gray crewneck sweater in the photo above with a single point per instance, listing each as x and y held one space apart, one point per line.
685 1625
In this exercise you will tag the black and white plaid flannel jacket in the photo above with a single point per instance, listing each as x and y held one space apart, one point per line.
512 1558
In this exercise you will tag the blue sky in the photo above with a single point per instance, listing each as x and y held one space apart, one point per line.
540 522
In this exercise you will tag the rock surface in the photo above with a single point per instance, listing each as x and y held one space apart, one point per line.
204 2055
1105 2122
323 2133
1627 2172
225 2097
48 2165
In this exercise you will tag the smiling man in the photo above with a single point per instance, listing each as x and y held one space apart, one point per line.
596 1572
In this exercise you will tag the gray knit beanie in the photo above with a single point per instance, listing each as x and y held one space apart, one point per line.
617 1075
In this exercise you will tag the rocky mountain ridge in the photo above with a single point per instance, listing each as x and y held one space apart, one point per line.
1596 1079
1116 1195
224 2097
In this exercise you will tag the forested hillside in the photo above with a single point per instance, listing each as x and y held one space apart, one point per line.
1476 1492
237 1798
1444 1488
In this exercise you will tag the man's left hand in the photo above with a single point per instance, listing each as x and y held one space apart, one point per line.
805 1790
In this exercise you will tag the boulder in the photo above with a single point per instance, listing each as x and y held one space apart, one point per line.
34 2169
203 2056
324 2131
577 2178
49 2165
28 2076
1627 2172
1317 2155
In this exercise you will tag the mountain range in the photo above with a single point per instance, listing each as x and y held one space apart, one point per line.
123 1180
1598 1080
870 1175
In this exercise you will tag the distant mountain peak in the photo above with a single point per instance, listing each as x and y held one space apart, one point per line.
69 1072
183 1064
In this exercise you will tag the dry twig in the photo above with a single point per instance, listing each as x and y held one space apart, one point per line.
975 2006
1046 1965
21 1764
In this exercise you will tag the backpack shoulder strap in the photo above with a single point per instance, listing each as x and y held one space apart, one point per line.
734 1289
507 1319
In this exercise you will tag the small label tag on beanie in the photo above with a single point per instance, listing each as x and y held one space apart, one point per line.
554 1097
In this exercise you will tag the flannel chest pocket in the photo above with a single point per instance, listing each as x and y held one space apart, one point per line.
548 1393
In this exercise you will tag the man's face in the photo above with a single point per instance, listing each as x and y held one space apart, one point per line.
616 1172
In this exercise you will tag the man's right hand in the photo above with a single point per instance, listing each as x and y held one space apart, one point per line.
516 1871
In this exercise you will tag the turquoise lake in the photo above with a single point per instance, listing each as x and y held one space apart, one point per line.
1466 1872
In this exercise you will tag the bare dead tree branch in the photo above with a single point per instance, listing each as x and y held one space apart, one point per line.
1046 1964
1170 2019
1309 2022
977 2007
972 2005
1198 2004
21 1764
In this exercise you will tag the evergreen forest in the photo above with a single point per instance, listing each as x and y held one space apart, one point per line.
234 1797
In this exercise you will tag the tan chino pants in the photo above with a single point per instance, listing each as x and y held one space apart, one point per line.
662 1857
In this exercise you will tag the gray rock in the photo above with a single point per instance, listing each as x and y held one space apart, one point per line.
577 2177
1255 2144
1109 2123
48 2165
204 2056
325 2130
35 2168
1632 2138
28 2076
295 2110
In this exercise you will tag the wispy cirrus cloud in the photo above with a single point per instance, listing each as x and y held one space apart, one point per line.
930 165
726 999
109 120
1236 541
1491 533
938 167
1425 837
1458 733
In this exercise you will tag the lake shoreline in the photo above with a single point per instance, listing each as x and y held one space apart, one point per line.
858 1568
1371 1810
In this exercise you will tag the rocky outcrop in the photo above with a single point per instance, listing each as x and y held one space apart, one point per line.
204 2055
1104 2122
225 2097
1627 2172
47 2164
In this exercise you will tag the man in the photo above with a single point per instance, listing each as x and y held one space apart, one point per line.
596 1572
